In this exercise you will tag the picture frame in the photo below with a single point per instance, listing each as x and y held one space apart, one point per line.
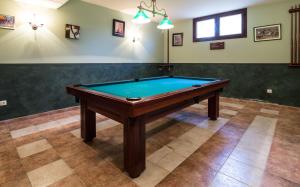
267 33
72 32
118 28
217 45
7 22
177 39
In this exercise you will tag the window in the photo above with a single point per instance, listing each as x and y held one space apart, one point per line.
208 28
226 25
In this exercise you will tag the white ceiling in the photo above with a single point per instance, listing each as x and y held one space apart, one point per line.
183 9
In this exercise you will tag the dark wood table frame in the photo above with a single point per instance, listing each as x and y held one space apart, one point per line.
135 114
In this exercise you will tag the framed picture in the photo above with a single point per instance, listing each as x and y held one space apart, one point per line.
118 28
72 31
217 45
7 22
267 33
177 39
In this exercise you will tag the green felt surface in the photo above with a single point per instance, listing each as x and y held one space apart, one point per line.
147 88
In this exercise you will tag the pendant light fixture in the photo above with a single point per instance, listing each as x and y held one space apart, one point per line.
142 18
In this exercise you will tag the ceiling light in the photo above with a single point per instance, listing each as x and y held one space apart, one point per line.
142 18
165 24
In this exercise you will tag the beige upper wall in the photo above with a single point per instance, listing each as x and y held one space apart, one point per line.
96 44
243 50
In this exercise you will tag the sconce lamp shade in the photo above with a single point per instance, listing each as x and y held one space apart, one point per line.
165 24
35 21
141 18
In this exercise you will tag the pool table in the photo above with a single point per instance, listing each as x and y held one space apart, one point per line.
139 101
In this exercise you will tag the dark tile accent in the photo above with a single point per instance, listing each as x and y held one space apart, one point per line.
251 80
35 88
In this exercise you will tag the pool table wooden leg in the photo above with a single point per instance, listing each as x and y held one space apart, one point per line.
88 122
213 107
134 147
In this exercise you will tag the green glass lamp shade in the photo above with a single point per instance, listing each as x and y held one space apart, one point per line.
141 18
165 24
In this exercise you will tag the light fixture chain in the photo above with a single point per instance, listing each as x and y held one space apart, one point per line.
155 9
160 10
145 4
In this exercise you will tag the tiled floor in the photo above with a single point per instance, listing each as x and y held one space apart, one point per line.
251 144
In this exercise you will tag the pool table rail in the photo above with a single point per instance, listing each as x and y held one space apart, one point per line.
121 108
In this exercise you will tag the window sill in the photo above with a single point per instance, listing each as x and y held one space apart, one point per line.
219 38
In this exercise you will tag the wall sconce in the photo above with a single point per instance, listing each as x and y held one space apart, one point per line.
135 38
135 35
35 22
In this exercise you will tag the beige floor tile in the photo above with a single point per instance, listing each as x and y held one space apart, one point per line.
259 136
99 127
256 142
254 137
33 148
99 115
76 133
65 121
49 174
106 124
228 112
44 126
58 123
157 123
176 151
259 147
184 148
196 136
172 155
242 172
255 145
222 180
171 161
251 158
191 118
212 125
268 111
232 105
261 121
261 131
199 106
159 154
48 125
263 125
264 120
151 176
77 117
23 132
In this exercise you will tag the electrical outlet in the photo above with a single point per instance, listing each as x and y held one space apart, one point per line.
269 91
3 103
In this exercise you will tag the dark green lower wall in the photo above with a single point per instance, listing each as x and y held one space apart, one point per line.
35 88
251 80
